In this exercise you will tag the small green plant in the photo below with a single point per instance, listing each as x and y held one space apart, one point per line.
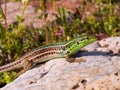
15 43
7 77
43 8
62 19
105 18
19 18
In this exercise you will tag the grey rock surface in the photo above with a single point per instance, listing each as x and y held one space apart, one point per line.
92 70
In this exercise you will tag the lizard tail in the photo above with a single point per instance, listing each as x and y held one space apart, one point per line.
10 66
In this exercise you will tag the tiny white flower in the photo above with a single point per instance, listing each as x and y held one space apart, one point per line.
25 1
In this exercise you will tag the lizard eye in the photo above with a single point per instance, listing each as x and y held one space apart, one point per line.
87 38
68 51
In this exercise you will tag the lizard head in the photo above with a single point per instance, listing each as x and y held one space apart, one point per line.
78 43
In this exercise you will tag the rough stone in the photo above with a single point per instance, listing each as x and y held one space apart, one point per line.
99 71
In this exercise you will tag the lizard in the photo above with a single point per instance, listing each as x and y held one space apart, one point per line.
48 52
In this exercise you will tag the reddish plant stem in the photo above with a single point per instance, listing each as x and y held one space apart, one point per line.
5 15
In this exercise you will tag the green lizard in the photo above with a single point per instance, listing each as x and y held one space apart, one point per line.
48 52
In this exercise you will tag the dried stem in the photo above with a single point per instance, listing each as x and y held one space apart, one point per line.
4 14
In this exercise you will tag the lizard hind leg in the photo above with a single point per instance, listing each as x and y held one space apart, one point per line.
26 67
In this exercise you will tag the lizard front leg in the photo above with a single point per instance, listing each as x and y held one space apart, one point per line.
73 58
69 59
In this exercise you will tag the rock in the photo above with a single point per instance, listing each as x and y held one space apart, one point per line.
97 71
111 44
